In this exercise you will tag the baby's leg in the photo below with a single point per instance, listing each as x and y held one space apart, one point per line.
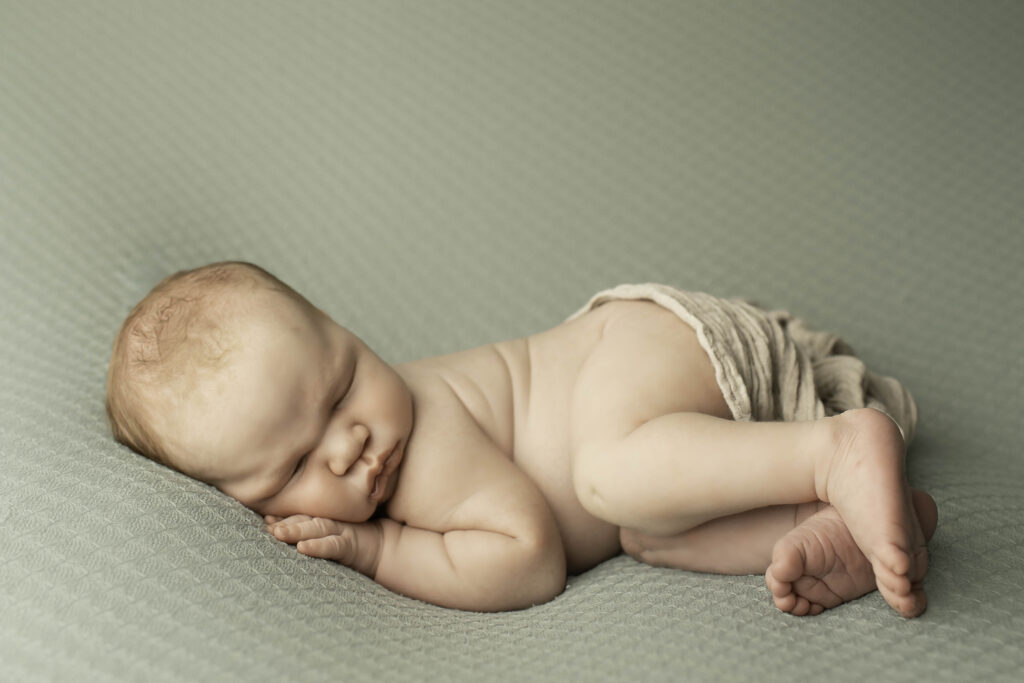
736 544
680 470
810 561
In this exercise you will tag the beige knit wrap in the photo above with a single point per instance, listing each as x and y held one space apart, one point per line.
770 365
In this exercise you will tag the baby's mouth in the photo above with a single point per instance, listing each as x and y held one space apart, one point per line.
381 480
375 493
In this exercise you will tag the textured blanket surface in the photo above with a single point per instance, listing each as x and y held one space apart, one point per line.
438 175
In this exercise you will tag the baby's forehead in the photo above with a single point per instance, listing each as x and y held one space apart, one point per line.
230 334
270 380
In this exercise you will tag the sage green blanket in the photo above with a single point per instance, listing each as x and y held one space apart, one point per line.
437 175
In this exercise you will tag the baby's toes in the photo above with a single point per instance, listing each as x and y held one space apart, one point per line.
889 582
909 601
787 603
782 591
920 601
912 605
803 607
788 561
919 565
893 558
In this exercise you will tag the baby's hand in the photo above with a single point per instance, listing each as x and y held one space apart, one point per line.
353 545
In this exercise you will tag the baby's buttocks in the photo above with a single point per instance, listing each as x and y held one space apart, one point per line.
657 337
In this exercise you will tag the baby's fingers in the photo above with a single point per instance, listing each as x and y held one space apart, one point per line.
337 547
291 519
293 530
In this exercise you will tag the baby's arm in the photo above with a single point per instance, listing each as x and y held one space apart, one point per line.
504 552
471 569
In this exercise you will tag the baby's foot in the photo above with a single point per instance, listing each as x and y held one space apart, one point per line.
817 565
863 477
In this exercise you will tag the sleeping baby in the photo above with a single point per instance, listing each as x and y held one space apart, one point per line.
685 430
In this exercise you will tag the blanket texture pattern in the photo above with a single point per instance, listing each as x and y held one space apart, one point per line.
770 365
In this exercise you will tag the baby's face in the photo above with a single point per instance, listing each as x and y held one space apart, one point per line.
304 419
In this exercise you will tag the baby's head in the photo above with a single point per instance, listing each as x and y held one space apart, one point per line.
228 375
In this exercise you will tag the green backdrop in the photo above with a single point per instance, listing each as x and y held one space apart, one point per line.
438 175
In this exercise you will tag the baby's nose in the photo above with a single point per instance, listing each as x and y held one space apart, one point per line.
348 450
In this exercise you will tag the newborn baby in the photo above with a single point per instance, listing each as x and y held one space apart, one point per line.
478 480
